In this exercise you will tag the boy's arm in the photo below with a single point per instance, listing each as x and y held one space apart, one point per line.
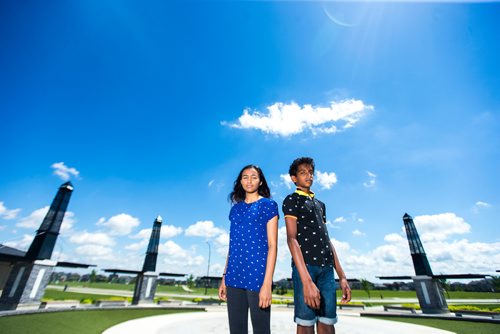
311 292
344 285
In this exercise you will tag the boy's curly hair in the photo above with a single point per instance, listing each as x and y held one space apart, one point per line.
300 161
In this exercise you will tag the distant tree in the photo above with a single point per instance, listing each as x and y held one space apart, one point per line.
496 283
280 290
366 285
445 285
190 281
93 276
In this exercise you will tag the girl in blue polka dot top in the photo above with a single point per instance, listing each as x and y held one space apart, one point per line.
248 276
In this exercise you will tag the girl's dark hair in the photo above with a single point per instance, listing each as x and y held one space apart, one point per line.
300 161
238 193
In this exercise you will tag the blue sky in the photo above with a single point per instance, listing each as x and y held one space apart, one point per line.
152 109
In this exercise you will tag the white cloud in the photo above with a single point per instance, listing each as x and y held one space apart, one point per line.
63 171
339 220
138 245
68 222
340 246
290 119
217 185
463 256
446 256
204 228
331 225
371 181
480 205
95 252
179 258
286 180
326 180
222 244
21 244
35 219
394 238
8 214
142 234
97 238
167 231
216 269
283 251
440 226
358 233
392 256
120 224
170 231
170 248
223 239
2 227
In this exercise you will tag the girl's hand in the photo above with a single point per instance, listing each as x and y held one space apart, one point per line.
222 290
265 296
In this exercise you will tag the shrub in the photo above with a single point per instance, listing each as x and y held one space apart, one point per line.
454 308
415 306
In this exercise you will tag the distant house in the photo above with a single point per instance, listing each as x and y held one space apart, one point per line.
208 281
7 256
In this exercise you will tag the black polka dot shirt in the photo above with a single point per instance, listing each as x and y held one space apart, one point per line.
312 234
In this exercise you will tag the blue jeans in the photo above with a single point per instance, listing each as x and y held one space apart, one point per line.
324 280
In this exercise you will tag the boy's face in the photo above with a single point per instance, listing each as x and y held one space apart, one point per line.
304 177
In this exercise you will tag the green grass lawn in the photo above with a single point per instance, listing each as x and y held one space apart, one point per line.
130 287
456 326
82 297
375 294
81 322
97 285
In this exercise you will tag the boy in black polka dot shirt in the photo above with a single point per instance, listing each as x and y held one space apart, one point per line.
314 257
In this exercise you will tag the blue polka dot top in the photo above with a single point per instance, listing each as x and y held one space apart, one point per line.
246 265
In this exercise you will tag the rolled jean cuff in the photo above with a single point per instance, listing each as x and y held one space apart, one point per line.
305 323
328 321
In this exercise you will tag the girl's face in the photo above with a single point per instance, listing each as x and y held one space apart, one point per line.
250 180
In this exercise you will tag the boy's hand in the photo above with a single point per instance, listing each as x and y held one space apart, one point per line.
222 290
346 291
312 297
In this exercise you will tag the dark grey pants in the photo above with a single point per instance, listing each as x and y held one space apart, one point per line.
238 303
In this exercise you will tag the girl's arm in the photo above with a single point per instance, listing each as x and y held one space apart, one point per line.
265 294
222 286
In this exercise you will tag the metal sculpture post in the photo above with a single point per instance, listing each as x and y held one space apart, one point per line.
145 285
30 275
429 291
208 268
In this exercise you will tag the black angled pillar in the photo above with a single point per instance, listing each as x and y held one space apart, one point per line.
29 277
145 285
429 292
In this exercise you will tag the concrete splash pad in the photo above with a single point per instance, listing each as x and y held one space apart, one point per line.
215 321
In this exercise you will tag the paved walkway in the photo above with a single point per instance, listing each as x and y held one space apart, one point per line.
214 321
